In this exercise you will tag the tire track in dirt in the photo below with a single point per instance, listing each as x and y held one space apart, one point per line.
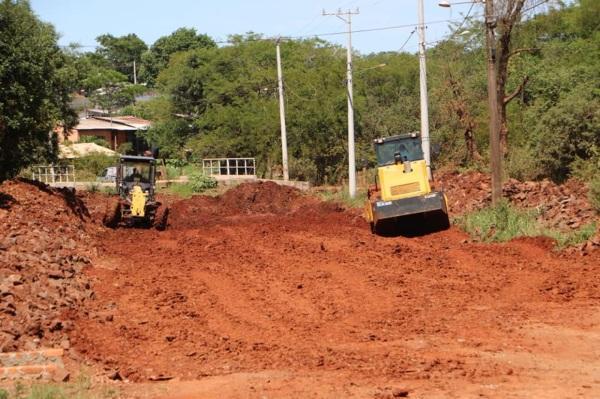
226 291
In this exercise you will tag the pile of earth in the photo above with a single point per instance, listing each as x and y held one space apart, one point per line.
44 246
251 200
563 206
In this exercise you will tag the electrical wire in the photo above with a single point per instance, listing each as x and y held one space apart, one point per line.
407 39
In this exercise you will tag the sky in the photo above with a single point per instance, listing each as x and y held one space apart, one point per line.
81 21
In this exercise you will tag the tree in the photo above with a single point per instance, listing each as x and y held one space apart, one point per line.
34 96
122 51
157 58
508 14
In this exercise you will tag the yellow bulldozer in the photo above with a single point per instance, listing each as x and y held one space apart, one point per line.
402 198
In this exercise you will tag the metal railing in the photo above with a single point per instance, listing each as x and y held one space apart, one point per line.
229 167
53 174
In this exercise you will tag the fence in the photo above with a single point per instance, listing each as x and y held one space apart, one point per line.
229 167
55 175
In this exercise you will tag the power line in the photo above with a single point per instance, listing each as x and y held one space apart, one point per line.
407 39
534 6
316 35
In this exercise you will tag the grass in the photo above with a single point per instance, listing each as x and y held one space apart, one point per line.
505 222
343 197
80 388
183 190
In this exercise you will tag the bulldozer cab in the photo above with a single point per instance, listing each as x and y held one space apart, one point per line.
398 149
135 171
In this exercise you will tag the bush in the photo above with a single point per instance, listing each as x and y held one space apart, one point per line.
125 148
594 193
89 167
500 223
505 222
303 169
200 182
522 164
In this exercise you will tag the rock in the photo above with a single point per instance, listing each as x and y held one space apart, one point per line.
115 376
65 343
399 393
61 375
15 279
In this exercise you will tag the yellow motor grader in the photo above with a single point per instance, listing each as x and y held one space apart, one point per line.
402 196
136 204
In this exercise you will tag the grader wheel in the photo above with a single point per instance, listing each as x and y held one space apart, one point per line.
112 215
161 218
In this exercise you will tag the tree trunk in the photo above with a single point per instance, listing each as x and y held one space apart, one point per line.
510 14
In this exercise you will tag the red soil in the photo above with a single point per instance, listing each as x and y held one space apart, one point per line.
299 294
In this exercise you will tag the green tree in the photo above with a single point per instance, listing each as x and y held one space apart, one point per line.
35 91
157 58
122 51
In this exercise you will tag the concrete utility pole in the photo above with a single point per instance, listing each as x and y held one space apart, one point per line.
425 142
347 18
495 151
492 81
284 153
134 74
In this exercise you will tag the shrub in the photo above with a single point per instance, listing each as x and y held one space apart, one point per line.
89 167
200 182
594 193
505 222
303 169
521 164
125 148
500 223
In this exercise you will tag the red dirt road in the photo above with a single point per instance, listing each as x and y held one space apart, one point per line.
241 297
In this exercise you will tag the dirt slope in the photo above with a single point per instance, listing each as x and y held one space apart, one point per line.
269 286
44 247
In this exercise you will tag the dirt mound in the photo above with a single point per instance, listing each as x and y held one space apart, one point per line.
44 246
247 199
562 206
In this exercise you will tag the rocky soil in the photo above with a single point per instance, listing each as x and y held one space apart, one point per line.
45 246
266 291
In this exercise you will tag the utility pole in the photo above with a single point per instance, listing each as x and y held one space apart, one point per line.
347 18
134 74
425 142
495 152
284 153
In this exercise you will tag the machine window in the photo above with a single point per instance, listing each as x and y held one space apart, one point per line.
136 172
409 149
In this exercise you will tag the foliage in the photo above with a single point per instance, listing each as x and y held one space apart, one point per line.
342 196
594 193
125 148
223 101
157 58
302 169
87 168
121 52
183 190
200 182
505 222
113 96
170 136
35 93
3 394
522 164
